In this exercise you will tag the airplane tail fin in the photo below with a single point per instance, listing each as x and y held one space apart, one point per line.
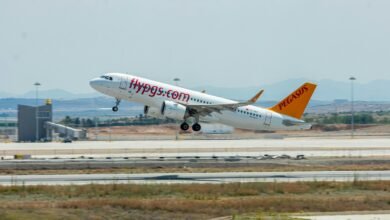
295 104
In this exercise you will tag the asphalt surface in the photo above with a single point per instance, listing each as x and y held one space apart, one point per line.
348 217
313 147
193 177
205 144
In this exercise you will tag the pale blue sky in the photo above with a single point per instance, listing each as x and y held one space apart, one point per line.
204 42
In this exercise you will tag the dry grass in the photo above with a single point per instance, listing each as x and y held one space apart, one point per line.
191 201
195 191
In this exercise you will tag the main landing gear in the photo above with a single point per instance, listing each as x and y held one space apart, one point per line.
195 127
115 108
184 126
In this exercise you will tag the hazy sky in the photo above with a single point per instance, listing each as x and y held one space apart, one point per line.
65 43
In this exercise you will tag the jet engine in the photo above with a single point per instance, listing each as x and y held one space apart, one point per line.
173 110
152 112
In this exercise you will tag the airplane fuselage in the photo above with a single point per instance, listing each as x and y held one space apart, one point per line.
153 94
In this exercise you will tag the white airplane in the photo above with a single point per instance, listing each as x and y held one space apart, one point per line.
164 100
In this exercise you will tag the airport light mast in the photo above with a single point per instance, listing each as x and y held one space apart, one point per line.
37 84
352 107
176 80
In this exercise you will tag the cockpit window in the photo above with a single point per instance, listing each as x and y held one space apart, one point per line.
106 77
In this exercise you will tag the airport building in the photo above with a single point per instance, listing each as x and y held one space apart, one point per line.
35 123
31 122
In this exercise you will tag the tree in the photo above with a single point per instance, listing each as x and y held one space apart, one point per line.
76 122
89 123
67 120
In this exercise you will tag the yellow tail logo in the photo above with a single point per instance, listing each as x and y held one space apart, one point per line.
295 104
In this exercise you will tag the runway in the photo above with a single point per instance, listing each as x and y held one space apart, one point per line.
348 217
186 178
304 142
312 147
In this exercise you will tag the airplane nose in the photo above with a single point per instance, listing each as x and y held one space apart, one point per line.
93 83
96 83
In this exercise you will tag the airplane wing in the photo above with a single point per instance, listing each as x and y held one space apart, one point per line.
204 110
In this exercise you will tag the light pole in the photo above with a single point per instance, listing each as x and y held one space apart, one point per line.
4 115
109 128
352 110
96 128
37 84
6 124
176 80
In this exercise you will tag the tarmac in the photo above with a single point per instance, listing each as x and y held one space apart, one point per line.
346 216
106 154
312 147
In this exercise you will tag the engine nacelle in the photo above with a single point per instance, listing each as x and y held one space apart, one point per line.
173 110
152 112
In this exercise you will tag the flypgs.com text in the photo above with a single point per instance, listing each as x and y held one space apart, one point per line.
152 90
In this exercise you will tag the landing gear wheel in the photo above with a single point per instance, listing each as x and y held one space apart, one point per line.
196 127
115 108
184 126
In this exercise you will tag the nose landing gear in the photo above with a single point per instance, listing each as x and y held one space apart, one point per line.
115 108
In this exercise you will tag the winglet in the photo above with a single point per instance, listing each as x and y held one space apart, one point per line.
256 97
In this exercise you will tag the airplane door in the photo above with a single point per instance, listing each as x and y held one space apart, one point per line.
268 118
123 84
